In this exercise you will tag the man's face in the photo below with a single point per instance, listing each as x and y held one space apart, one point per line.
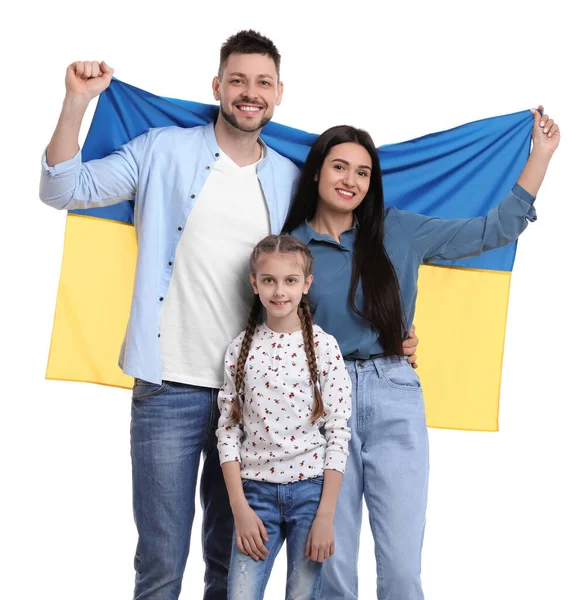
248 91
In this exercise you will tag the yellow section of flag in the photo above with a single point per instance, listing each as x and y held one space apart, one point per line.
460 318
461 321
93 301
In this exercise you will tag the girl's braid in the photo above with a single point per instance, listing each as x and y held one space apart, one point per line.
308 337
255 313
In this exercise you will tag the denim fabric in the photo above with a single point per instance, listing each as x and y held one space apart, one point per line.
388 463
287 511
172 424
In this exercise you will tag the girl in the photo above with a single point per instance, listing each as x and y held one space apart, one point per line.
366 264
284 380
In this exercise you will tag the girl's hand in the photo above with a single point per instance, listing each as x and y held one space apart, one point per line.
250 532
321 539
545 134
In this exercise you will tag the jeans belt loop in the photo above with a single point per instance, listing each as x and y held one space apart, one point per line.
377 360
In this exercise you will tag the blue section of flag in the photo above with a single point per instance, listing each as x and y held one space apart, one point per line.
461 172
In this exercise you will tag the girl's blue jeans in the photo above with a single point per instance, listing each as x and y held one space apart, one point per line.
287 511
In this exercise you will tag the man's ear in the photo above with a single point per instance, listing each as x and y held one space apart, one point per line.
280 92
216 88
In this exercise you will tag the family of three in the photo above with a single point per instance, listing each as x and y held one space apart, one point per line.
315 405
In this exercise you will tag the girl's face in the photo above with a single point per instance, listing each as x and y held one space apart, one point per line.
280 283
344 178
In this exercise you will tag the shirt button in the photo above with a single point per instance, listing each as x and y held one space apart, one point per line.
193 196
170 263
159 335
161 299
179 229
207 168
217 154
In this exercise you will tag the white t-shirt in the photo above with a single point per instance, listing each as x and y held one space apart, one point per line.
278 441
209 295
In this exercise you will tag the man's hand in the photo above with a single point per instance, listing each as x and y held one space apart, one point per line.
87 79
410 345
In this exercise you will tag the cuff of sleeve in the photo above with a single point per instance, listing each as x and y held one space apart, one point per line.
62 167
338 468
335 459
522 194
229 455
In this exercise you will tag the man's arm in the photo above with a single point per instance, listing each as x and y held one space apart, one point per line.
83 82
66 183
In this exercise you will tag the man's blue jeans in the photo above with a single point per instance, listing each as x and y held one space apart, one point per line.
172 424
287 511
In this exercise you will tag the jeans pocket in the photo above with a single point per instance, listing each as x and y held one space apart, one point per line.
245 482
402 376
145 389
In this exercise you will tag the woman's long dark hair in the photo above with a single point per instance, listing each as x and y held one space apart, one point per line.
371 264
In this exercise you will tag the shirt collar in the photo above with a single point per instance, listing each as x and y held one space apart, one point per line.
214 149
305 233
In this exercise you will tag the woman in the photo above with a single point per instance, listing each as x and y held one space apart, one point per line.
366 268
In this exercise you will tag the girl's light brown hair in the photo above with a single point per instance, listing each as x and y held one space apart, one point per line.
282 244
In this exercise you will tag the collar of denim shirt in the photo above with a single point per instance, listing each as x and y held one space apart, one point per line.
306 233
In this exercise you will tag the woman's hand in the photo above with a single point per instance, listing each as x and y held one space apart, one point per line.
545 138
545 134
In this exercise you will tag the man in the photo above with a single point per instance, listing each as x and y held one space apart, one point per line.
203 197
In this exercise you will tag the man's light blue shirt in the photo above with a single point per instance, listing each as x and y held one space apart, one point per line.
164 170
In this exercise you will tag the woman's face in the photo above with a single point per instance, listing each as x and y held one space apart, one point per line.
344 178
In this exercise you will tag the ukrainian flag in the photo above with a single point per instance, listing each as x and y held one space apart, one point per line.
462 305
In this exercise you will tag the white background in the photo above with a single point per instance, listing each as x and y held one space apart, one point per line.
507 511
